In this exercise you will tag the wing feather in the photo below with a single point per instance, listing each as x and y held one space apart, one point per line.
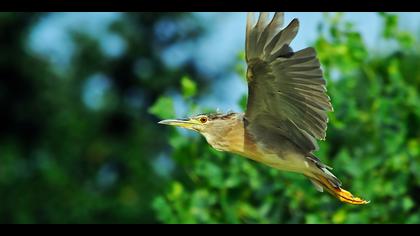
287 92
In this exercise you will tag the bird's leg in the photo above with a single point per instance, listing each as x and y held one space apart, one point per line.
341 194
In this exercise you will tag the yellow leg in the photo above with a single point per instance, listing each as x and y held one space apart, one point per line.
341 194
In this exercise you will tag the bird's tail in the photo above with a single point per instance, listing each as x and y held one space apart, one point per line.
326 180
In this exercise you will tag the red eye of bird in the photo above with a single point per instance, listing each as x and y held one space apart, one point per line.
203 120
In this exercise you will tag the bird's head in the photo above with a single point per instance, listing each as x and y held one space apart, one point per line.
212 126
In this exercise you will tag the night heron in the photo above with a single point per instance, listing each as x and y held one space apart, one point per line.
286 108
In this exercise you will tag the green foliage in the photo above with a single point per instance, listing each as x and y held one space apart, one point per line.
373 143
391 31
163 108
65 161
189 88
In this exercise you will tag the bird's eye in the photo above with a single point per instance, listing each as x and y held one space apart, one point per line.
203 120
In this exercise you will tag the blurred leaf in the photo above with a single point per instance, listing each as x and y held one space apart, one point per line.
189 88
243 101
163 108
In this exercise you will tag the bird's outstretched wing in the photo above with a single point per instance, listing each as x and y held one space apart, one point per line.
287 93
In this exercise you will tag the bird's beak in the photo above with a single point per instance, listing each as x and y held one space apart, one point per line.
183 123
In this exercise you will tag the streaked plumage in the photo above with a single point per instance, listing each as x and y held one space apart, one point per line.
286 109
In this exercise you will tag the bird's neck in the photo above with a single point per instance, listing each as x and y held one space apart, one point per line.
236 140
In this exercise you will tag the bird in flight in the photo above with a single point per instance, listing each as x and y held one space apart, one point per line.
286 109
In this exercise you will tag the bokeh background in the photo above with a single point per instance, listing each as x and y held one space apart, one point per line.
81 94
